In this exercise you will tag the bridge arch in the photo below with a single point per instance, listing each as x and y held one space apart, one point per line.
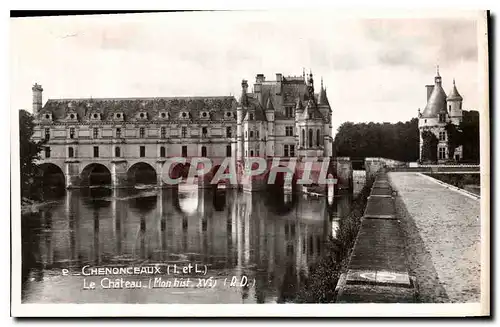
95 174
141 173
284 190
51 176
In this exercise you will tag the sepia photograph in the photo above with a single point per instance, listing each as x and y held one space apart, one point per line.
326 159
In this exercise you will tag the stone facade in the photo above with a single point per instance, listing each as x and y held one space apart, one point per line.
439 111
281 118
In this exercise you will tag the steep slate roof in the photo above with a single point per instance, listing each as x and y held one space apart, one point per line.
216 106
454 95
436 103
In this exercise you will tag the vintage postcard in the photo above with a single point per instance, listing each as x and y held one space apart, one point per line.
317 160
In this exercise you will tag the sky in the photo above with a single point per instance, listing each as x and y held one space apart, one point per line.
374 67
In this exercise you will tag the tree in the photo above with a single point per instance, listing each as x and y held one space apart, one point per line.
29 152
398 141
470 136
429 146
454 138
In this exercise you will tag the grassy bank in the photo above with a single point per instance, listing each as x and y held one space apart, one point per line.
319 286
468 182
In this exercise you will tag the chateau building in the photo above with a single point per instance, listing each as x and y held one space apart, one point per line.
439 111
123 136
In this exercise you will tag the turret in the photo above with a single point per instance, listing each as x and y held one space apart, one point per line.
454 102
37 98
269 109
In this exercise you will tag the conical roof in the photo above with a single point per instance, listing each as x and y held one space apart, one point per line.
454 95
299 105
323 99
436 102
269 105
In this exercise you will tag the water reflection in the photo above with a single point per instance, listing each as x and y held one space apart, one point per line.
270 239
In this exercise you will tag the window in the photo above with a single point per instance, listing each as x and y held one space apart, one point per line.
449 107
246 134
251 117
47 152
286 152
228 150
318 137
289 130
442 136
292 150
442 153
257 151
251 153
117 152
184 131
163 132
184 151
118 133
96 152
204 132
162 152
71 132
251 134
96 132
442 118
142 151
229 131
289 111
310 138
303 137
47 134
71 152
203 151
141 132
257 133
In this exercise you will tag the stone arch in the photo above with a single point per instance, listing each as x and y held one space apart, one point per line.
142 173
284 190
95 174
51 176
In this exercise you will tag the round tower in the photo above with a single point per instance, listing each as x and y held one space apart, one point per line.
454 102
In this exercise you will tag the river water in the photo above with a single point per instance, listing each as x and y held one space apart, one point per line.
241 247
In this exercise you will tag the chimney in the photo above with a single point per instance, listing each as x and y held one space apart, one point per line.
258 83
429 88
37 98
279 79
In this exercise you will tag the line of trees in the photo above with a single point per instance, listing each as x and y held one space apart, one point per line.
398 141
29 152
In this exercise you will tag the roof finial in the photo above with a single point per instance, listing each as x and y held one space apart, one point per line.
437 70
453 80
321 82
303 72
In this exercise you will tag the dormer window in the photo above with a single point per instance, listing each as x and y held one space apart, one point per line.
204 114
47 116
442 118
163 115
95 116
251 117
184 115
118 116
229 114
72 116
142 115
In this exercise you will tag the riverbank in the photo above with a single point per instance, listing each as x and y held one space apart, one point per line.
468 182
319 286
